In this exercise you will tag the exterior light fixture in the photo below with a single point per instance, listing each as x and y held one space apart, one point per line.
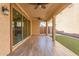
5 10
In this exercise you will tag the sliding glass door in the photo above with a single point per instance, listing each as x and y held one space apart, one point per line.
17 27
28 27
24 27
21 27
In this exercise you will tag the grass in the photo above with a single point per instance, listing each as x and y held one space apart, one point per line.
68 42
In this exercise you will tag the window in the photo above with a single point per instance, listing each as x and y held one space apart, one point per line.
42 24
42 27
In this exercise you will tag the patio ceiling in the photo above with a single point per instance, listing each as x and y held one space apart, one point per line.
45 14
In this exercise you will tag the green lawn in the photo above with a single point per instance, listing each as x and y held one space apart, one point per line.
68 42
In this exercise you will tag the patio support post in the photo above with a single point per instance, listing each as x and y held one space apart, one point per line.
46 27
53 28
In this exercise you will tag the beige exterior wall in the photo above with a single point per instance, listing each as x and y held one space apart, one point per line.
68 19
4 31
35 27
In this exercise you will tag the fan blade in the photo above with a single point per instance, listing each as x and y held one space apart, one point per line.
36 6
43 6
38 18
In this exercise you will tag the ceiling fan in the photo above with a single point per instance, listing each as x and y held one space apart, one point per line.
42 5
39 18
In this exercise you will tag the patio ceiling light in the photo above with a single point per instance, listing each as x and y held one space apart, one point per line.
5 10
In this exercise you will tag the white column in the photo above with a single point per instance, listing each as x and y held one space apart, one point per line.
53 28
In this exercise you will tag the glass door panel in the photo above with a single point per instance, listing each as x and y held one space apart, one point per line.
17 27
24 27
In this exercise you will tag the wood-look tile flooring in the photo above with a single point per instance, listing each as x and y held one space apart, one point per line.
41 46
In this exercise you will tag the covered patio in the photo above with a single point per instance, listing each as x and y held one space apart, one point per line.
22 30
41 46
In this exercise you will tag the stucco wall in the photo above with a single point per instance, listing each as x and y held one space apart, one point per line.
35 27
4 31
68 19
